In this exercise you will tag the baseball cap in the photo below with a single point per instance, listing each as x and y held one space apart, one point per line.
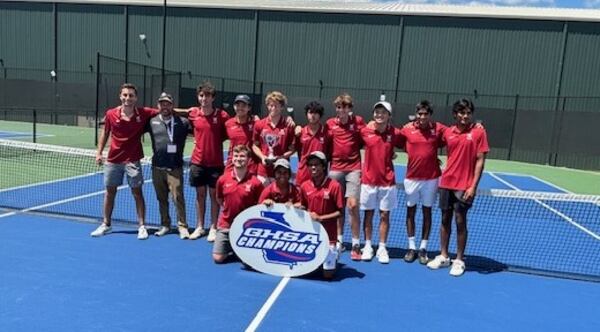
319 155
384 104
165 97
243 98
282 163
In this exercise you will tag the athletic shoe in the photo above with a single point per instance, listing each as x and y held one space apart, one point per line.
367 253
423 259
438 261
458 268
198 233
410 256
183 233
142 233
382 255
101 230
339 246
212 235
163 230
355 253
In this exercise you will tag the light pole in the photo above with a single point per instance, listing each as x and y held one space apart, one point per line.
164 37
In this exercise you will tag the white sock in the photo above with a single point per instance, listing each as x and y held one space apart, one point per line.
381 245
368 243
355 242
340 238
423 244
411 243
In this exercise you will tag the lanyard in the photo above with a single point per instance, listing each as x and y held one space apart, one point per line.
170 127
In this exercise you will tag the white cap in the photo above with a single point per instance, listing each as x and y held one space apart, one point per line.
319 155
282 163
384 104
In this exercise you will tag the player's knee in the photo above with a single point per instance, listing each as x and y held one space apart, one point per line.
219 259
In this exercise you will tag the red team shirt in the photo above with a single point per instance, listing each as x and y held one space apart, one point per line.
421 147
324 199
282 133
378 168
273 192
462 148
125 135
308 143
236 196
240 134
345 150
209 134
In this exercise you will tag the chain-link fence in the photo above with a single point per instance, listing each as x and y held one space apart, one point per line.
559 131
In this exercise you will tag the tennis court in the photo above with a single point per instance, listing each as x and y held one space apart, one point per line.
56 277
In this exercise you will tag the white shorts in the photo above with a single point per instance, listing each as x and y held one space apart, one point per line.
423 191
373 197
331 259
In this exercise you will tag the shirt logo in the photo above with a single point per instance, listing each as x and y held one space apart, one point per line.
389 138
215 120
325 194
469 137
351 127
227 185
248 187
137 119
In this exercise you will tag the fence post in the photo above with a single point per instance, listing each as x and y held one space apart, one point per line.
34 126
512 129
144 87
561 116
97 111
320 89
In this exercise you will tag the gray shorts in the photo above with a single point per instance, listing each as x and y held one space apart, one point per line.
113 174
222 246
350 182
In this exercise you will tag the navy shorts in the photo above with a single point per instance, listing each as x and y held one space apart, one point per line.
452 200
204 176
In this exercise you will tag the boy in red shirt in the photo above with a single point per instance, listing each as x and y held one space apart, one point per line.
239 131
281 190
467 147
236 190
207 157
322 197
310 138
125 126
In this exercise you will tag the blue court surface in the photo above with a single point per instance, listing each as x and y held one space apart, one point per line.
55 277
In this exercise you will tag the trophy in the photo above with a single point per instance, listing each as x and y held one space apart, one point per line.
271 141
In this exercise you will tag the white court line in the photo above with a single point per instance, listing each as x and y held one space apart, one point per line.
550 184
49 182
39 207
265 308
560 214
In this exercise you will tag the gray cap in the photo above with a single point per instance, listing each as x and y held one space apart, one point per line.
165 97
243 98
319 155
384 104
282 163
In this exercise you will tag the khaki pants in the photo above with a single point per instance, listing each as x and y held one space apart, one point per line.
166 181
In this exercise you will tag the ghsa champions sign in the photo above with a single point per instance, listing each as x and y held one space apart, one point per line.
279 240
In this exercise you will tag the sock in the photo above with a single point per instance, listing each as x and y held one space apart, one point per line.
340 238
368 243
381 245
423 244
355 242
411 243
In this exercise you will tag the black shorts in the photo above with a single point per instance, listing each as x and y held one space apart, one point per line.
452 200
204 176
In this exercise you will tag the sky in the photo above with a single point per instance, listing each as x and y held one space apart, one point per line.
583 4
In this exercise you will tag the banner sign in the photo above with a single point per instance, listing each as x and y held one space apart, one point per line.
280 241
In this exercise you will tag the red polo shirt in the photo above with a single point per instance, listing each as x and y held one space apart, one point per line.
125 135
378 168
273 192
282 135
346 143
323 199
462 148
308 143
209 134
241 134
236 196
421 147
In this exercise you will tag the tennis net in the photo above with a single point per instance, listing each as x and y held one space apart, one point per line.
536 232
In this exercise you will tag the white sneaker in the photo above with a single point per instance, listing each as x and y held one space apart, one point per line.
439 261
367 253
340 247
101 230
163 230
458 268
212 235
184 233
382 255
142 233
197 233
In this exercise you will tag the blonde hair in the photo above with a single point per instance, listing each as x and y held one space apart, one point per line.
276 96
344 100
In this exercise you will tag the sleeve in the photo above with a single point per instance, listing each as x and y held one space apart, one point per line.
482 144
219 188
296 194
107 122
442 136
303 198
360 122
328 144
264 194
400 139
256 133
291 138
224 118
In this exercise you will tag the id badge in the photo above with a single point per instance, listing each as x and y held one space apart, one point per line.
171 148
